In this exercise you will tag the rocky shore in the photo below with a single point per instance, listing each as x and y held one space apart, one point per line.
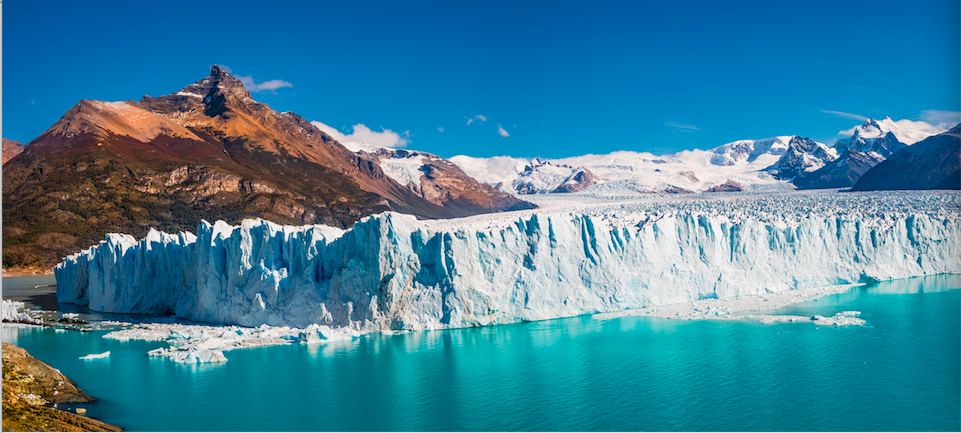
29 386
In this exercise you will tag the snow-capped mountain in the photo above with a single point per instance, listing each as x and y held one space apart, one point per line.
932 163
739 163
802 155
749 150
777 163
436 179
869 145
906 131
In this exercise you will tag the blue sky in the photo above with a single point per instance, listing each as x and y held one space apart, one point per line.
556 79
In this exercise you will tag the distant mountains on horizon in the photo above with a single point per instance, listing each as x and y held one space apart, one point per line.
772 164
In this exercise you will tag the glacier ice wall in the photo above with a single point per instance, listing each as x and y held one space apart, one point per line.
390 271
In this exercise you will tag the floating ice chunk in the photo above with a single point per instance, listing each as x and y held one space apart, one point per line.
320 333
13 311
96 356
198 356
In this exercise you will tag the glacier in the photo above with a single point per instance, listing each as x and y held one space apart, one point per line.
393 272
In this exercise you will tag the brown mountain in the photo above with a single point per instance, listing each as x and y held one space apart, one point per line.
11 148
208 151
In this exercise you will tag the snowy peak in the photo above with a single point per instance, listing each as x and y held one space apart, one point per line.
745 151
883 145
802 155
906 131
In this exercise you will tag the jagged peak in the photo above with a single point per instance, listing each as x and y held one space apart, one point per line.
218 82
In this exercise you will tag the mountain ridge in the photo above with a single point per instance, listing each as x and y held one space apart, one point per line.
208 151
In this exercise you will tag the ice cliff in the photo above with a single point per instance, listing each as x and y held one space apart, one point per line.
390 271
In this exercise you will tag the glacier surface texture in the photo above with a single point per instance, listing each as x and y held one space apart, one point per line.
390 271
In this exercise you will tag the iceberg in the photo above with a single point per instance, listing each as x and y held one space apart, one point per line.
393 272
12 312
96 356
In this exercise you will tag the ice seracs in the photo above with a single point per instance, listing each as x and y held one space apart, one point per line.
13 312
393 272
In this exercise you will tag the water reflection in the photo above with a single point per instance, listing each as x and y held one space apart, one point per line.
929 284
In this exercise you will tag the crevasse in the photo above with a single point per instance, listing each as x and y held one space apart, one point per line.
390 271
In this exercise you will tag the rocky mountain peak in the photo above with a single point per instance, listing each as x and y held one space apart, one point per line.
212 94
222 79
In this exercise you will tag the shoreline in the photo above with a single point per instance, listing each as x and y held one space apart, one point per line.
741 308
27 272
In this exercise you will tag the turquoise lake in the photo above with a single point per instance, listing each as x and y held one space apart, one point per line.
900 372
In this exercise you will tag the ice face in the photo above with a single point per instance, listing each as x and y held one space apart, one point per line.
12 311
391 271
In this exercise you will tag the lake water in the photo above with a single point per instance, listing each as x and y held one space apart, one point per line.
901 372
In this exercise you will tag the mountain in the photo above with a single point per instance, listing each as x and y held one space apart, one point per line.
840 173
869 145
905 131
439 181
749 150
11 148
933 163
737 165
884 144
771 164
208 151
580 180
802 155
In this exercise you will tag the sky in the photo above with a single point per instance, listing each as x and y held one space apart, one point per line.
526 79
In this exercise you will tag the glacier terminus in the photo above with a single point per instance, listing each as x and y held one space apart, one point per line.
393 272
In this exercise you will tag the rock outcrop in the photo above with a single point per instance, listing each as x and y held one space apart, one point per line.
11 148
29 384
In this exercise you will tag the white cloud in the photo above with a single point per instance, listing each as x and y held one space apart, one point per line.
502 131
682 126
945 119
440 128
922 126
363 134
480 117
252 86
857 117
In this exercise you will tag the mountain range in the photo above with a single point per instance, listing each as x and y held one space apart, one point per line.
772 164
207 151
210 151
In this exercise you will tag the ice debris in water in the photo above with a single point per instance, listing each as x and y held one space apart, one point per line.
192 344
393 272
96 356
